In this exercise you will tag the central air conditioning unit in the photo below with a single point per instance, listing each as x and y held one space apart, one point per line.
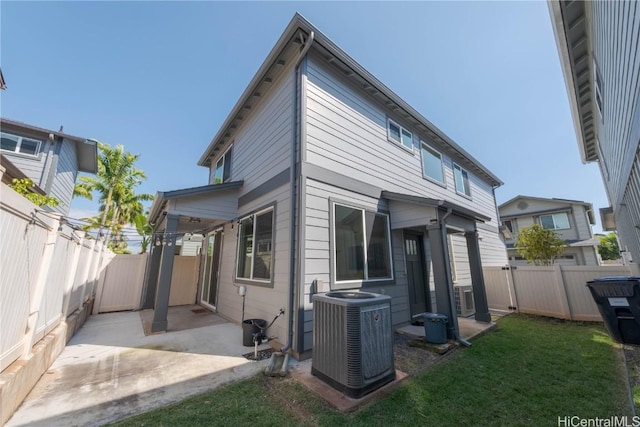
464 300
353 341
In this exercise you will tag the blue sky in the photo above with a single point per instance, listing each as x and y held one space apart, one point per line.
160 78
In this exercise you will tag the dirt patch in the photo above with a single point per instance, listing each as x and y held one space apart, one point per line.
262 354
412 358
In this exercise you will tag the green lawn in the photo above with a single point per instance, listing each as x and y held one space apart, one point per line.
528 371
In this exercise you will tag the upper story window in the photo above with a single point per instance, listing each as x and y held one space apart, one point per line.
362 245
222 171
557 221
509 224
461 178
598 88
19 144
255 243
432 163
400 135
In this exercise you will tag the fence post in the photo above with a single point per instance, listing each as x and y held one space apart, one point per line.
73 269
562 291
45 263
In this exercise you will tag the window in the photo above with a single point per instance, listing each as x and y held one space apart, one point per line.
18 144
400 135
557 221
461 177
255 240
223 168
362 245
509 224
432 163
598 88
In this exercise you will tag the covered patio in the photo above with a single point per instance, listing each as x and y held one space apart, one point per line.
435 220
174 213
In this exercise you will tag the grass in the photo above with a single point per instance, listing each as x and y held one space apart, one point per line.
529 371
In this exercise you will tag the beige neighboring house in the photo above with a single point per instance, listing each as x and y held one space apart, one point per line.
570 219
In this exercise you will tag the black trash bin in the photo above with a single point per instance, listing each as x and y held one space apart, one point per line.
435 327
618 300
251 328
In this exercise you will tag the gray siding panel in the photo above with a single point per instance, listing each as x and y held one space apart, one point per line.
65 176
317 250
262 146
260 302
347 134
32 166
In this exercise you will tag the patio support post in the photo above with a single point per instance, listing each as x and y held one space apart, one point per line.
153 269
161 306
442 275
477 278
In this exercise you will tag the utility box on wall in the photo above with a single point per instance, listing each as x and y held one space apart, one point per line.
353 341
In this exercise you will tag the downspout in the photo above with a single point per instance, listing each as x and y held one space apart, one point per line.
294 177
443 221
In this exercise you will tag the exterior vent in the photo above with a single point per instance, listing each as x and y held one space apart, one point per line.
464 301
353 341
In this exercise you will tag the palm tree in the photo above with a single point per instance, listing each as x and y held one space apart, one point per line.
115 181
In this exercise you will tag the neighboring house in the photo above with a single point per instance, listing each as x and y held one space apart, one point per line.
570 219
50 159
321 178
598 42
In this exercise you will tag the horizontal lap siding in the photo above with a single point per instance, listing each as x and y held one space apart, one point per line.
347 134
260 302
262 144
31 166
317 251
224 205
65 177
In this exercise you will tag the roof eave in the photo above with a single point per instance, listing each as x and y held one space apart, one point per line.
566 62
298 22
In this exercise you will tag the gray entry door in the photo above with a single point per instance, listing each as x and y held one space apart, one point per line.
416 274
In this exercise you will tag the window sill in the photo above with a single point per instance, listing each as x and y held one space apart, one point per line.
261 283
434 181
463 195
401 145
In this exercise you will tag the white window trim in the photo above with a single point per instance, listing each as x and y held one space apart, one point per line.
399 142
443 183
19 144
223 156
598 90
468 196
253 246
364 242
554 222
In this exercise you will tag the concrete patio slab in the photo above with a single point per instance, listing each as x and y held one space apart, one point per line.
110 370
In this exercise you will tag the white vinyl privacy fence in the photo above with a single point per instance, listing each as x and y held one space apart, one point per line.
120 287
48 271
554 291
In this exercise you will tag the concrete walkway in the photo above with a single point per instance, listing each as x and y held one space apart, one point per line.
110 370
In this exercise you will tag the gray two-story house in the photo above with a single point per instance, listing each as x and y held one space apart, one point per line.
51 159
321 178
570 219
599 47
